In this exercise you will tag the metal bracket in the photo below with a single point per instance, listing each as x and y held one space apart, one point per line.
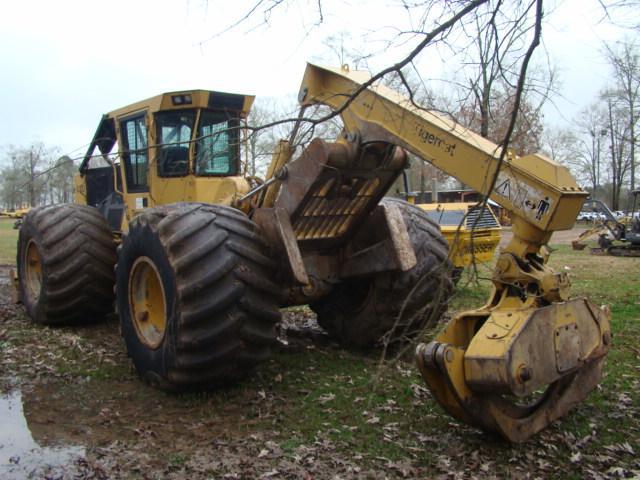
393 252
276 226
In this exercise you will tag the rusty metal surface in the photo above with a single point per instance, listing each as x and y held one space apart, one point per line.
545 342
563 368
333 206
568 347
277 229
382 245
399 237
518 423
281 157
332 187
15 286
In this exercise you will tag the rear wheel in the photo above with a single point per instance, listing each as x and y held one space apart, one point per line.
395 306
195 295
66 256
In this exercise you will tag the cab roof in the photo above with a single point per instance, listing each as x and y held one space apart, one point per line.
221 101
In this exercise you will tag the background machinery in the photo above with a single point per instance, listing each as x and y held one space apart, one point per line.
199 282
472 232
17 214
620 238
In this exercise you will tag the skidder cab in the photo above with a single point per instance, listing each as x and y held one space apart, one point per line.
180 146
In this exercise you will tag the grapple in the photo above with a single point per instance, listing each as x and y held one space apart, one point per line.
525 358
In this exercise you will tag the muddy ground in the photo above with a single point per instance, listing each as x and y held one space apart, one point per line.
73 407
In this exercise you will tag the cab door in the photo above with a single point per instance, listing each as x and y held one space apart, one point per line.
135 157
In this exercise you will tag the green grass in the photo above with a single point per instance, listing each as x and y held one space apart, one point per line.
349 400
8 241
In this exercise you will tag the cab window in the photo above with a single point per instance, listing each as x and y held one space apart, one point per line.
135 154
447 217
173 131
217 150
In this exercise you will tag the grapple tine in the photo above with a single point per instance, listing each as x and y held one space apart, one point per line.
477 367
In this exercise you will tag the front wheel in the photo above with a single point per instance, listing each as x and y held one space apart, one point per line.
195 297
394 306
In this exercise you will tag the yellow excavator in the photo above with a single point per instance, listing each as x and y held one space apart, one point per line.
204 256
16 214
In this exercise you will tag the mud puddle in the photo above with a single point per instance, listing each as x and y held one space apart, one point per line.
21 456
101 429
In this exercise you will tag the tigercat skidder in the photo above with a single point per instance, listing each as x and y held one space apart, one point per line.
204 257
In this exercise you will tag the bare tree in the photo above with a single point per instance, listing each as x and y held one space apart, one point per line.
622 13
527 136
590 147
619 155
341 48
496 42
262 142
625 93
60 180
12 194
35 175
27 164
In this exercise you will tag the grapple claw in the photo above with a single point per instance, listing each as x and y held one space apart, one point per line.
515 371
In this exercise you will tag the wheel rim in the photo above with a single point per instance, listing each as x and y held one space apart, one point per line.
33 271
147 302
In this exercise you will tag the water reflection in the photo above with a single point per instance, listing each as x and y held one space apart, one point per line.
20 455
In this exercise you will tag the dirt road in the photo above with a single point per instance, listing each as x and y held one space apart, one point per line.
564 237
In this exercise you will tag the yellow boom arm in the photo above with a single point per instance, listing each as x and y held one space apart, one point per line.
533 188
529 336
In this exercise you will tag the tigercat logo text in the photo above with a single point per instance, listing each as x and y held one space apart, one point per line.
431 139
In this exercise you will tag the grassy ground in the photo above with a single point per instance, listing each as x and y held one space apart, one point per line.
316 411
8 239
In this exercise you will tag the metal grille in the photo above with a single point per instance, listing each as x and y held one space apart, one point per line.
486 220
327 215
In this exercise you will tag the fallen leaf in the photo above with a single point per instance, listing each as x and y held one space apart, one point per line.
327 397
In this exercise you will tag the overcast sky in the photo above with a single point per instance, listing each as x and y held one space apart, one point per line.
65 62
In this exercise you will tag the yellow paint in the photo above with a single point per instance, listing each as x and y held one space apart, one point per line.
32 272
533 187
465 246
147 302
190 187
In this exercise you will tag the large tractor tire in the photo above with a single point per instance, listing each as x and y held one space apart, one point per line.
66 255
195 295
392 307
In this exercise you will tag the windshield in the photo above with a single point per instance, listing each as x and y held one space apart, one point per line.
217 147
173 130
